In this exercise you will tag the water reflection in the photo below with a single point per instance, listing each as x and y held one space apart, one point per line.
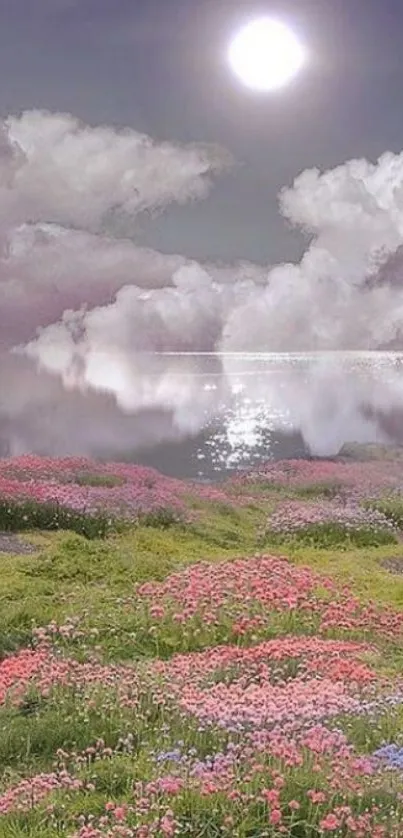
318 402
203 415
249 407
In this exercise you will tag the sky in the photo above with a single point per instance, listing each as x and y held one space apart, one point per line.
149 202
159 67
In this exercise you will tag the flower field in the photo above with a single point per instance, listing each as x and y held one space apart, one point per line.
87 496
173 679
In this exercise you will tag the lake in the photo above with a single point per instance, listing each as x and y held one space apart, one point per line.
204 415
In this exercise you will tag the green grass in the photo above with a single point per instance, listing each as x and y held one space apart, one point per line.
108 481
331 535
261 487
358 567
326 490
367 735
72 575
19 516
31 735
391 507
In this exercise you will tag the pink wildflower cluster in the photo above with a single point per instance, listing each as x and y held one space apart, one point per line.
91 487
329 679
259 729
44 670
369 478
340 660
290 516
280 716
245 594
116 822
28 793
256 770
238 586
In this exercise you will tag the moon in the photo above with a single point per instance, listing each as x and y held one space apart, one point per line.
265 55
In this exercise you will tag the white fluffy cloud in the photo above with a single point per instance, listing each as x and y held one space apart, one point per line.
71 174
354 214
61 185
355 217
45 270
87 309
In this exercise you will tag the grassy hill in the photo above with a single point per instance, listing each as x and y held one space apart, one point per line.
185 660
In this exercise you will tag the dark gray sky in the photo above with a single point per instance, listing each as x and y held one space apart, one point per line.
159 66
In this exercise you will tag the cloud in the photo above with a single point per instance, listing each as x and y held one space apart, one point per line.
85 310
341 295
186 316
45 270
75 175
63 188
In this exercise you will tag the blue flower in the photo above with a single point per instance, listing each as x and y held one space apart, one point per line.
392 754
169 756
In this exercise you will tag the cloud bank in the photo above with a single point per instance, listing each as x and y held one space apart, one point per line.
63 185
82 309
338 297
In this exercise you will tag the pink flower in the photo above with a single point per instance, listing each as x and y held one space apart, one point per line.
275 817
168 824
330 823
317 796
272 796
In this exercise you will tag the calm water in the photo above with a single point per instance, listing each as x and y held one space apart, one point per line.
204 415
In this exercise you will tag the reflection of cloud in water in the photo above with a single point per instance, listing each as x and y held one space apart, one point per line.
204 413
330 399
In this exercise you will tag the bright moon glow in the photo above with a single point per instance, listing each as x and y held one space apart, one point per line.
266 55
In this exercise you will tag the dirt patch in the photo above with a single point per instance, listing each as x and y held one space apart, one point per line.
394 564
10 543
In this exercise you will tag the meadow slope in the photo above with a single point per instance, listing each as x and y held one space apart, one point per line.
201 661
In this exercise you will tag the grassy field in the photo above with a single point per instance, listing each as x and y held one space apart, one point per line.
233 669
